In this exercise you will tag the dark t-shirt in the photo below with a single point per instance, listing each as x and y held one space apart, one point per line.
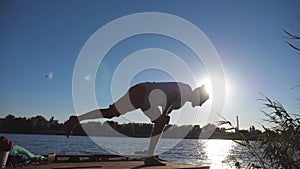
145 95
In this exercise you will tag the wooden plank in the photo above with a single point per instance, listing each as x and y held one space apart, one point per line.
109 161
110 165
95 157
86 155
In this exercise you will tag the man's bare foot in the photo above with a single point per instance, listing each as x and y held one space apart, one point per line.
152 161
70 125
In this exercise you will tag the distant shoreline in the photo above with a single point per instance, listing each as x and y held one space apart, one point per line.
214 138
40 125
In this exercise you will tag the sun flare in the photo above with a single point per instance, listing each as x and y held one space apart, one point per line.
207 83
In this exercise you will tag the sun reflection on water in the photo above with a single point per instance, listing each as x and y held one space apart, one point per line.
217 152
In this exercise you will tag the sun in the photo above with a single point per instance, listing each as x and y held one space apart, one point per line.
208 85
207 82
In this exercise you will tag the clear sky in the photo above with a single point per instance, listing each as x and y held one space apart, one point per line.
39 38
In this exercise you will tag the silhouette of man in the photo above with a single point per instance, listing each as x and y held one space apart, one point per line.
148 97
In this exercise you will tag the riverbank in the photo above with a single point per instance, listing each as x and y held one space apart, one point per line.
213 136
40 125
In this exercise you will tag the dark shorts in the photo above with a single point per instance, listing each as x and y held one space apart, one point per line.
138 95
135 98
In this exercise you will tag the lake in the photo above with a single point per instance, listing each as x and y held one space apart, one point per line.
215 153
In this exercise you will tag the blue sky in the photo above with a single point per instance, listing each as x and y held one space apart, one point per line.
38 37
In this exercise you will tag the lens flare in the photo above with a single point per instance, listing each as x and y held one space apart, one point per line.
88 78
208 85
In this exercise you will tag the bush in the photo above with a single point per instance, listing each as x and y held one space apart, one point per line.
277 146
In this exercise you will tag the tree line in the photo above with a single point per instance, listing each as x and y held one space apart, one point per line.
40 125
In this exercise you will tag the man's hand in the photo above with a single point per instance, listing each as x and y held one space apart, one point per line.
172 98
163 120
168 110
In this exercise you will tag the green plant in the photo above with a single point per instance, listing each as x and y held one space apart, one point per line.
281 142
292 36
278 146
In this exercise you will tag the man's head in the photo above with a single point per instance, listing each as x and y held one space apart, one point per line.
199 96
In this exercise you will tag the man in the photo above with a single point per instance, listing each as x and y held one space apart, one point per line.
148 97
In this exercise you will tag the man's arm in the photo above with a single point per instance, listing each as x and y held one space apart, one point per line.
172 98
167 110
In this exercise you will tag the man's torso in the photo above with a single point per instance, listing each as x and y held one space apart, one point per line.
159 93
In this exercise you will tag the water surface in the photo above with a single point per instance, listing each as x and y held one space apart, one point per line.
215 153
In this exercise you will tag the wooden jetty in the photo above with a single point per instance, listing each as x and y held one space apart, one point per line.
101 161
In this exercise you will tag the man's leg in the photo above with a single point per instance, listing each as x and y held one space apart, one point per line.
159 125
95 114
122 106
100 113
